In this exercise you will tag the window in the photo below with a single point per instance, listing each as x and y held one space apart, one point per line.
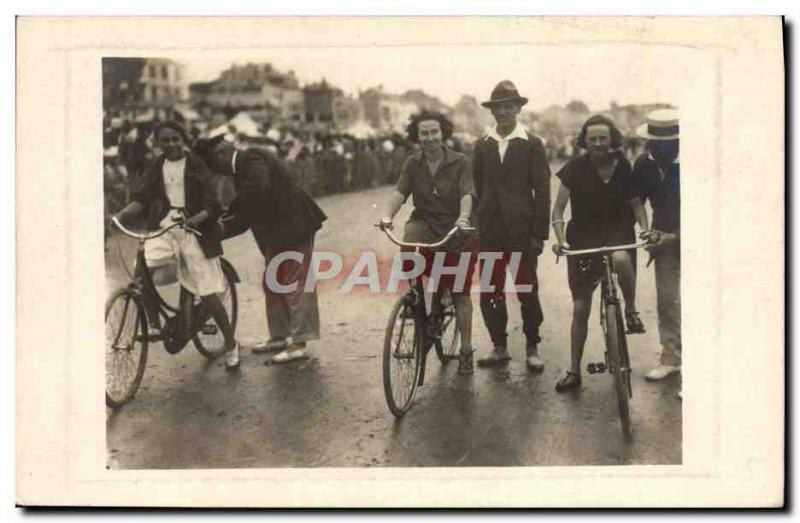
164 72
151 71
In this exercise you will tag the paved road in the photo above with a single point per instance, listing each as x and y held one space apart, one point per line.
329 411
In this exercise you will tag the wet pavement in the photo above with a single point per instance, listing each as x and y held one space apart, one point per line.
329 411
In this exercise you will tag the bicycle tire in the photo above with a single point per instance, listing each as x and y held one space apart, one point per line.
116 327
614 352
402 316
625 359
449 344
212 346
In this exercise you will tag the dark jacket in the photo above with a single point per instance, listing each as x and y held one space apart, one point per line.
149 190
508 215
664 195
270 203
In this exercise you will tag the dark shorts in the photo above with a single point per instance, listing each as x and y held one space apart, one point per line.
584 274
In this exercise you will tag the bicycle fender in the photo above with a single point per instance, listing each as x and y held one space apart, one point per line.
228 269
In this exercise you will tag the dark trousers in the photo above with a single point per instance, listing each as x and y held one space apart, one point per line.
292 314
493 304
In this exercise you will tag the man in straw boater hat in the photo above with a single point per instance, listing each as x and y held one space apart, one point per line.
284 220
657 174
512 186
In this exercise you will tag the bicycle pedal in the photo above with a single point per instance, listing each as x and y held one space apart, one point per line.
209 330
596 368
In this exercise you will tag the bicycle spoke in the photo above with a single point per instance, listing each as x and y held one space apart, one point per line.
403 368
123 353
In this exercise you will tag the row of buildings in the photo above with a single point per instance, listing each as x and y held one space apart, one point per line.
271 96
276 98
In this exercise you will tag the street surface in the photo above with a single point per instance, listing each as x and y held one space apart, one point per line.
329 411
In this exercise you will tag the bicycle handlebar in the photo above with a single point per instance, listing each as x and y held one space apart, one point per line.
156 234
603 250
441 242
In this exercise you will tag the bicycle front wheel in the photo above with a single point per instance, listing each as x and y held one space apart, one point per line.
209 340
401 358
448 346
125 346
616 365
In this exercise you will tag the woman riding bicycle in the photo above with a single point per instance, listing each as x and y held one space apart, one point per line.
440 180
177 186
600 187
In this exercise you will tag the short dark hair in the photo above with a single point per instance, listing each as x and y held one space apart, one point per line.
204 147
175 126
599 119
412 130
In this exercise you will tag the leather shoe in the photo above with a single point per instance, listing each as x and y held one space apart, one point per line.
533 361
496 357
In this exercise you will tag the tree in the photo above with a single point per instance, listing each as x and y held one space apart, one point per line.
576 106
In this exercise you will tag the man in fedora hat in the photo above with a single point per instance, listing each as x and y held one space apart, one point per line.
512 186
657 174
283 219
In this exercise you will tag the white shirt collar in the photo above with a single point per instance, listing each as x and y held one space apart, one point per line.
518 132
233 161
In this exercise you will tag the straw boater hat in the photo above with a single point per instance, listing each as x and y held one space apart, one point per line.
505 91
662 124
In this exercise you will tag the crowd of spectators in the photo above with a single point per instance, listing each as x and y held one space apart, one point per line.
321 163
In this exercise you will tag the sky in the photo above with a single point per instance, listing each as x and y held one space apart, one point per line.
546 75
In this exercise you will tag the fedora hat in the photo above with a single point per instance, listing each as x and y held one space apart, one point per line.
505 91
662 124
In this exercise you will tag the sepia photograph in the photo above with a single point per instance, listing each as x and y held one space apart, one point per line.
221 175
403 251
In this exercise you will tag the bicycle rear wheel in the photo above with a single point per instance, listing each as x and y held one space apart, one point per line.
209 340
401 357
125 346
448 345
618 369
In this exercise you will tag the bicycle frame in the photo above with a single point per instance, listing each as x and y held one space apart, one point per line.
143 281
416 294
609 296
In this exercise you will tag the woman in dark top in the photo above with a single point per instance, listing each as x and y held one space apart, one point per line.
599 186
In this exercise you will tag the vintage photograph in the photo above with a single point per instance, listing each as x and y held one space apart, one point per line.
450 262
310 264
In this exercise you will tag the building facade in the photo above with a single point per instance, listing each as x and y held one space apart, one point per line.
163 82
327 109
274 94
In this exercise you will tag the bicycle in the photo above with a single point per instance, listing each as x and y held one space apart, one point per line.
127 324
617 360
411 332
